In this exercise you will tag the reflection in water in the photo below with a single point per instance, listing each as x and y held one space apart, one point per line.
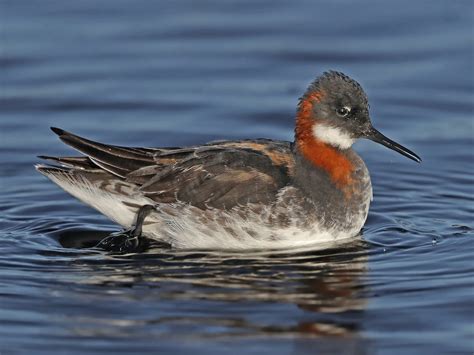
327 283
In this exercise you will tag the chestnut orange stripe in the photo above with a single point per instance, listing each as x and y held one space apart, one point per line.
320 154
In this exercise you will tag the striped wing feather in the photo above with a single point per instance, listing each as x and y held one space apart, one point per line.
220 174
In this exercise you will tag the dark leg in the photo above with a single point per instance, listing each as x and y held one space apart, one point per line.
141 215
127 241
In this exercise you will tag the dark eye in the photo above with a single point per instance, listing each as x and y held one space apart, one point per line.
343 111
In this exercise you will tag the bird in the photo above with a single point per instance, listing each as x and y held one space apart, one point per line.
238 194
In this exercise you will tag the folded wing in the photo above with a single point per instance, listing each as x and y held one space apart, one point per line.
221 174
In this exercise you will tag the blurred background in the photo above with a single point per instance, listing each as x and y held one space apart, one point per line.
184 72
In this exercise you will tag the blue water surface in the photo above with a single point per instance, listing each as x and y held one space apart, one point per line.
170 73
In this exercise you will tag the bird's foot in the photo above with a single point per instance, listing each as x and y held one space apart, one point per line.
130 240
122 242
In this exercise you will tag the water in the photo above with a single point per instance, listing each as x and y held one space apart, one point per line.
185 72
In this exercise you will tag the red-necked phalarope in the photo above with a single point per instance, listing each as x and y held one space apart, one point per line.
239 194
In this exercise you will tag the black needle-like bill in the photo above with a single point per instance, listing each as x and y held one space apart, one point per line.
378 137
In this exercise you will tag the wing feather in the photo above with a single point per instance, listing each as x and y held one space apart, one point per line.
220 174
119 159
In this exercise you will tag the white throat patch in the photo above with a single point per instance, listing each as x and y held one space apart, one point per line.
333 136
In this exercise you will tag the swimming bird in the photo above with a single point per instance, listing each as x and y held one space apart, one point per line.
240 194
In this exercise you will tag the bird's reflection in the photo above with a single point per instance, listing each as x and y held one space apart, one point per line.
325 284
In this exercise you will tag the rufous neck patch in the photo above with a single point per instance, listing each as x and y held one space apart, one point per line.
319 153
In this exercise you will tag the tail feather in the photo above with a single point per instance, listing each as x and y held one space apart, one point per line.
108 194
71 162
118 171
48 170
118 160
